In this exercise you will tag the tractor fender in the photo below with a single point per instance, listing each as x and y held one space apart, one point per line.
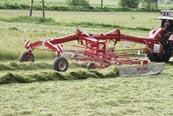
157 33
151 32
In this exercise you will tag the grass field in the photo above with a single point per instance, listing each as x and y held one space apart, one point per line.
115 96
141 96
13 33
36 89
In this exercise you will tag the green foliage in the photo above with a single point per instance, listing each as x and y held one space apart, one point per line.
149 4
129 3
83 3
30 20
63 8
94 5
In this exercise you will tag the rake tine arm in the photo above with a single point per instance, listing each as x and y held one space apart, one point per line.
65 39
31 46
55 48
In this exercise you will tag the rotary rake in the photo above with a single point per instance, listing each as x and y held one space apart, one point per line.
95 50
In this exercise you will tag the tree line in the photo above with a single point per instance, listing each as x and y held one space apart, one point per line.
147 4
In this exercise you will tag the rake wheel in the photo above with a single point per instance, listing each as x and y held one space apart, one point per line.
60 64
26 57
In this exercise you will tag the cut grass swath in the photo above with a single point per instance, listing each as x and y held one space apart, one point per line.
75 74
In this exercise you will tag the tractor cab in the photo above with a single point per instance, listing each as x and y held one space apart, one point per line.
167 20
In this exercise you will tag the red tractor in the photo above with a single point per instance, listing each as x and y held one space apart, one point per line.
159 46
165 37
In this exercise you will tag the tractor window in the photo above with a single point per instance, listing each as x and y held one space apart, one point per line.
163 23
169 25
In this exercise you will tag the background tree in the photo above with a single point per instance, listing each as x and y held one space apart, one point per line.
150 4
156 2
129 3
31 7
101 3
83 3
31 4
43 8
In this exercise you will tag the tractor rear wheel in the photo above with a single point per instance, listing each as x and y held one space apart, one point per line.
26 57
158 57
162 57
60 64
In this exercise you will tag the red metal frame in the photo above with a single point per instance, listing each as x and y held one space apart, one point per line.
96 45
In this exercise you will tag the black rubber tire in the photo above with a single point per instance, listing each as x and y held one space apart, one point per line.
60 64
26 57
162 57
158 57
91 65
165 55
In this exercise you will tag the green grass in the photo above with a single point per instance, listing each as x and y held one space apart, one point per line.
42 70
17 28
142 96
127 19
36 89
24 66
45 74
79 91
51 21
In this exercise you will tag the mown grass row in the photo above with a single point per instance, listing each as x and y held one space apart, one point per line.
51 21
38 65
75 74
24 66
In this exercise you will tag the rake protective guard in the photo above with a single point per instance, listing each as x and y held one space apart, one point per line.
149 69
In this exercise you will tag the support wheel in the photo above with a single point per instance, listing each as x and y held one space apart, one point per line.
26 57
60 64
91 66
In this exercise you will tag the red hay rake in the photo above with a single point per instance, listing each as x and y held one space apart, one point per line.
95 49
